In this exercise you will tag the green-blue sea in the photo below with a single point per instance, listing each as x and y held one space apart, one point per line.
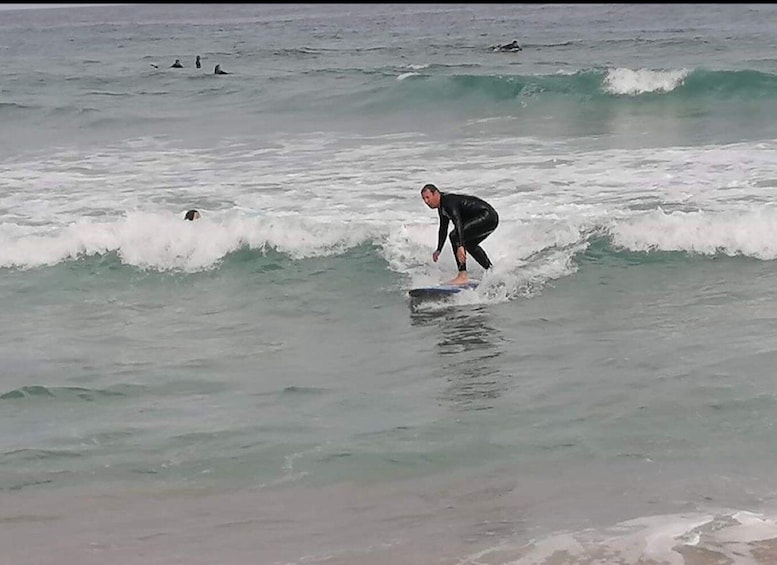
257 388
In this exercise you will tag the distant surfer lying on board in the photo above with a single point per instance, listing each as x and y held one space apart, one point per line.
473 220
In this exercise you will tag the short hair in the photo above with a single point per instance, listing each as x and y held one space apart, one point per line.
430 187
190 215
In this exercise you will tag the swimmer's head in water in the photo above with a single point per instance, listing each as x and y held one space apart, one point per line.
192 215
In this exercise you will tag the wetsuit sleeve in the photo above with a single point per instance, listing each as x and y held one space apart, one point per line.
443 232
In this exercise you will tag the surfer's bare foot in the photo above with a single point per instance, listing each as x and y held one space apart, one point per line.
461 279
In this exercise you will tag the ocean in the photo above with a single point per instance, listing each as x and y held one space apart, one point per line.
257 388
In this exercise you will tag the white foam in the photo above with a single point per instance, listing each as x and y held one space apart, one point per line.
751 527
725 536
320 193
167 242
634 82
752 233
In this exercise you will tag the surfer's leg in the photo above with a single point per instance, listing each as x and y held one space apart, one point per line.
460 265
462 277
479 255
475 231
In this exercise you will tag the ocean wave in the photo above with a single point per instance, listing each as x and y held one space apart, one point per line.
59 393
11 107
457 88
747 233
602 83
164 242
549 247
717 536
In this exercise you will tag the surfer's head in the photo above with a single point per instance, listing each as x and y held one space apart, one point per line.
192 215
431 195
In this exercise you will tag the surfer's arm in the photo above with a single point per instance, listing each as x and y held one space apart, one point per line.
442 233
455 214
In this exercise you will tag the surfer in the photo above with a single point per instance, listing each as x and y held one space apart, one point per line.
197 62
192 215
473 220
510 47
177 64
217 71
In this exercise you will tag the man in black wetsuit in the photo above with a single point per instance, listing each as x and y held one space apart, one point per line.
473 220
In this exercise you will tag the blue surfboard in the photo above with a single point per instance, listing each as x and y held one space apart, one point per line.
441 290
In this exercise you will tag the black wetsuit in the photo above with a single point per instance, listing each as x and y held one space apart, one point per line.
473 220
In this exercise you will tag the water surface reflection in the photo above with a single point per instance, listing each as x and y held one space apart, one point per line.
469 348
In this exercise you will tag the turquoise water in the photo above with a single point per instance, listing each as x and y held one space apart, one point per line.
257 387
